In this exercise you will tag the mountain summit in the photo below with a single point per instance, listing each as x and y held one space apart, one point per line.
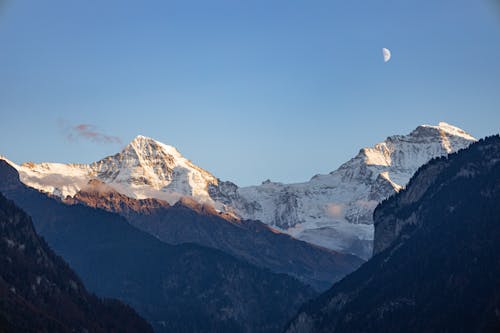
436 266
145 168
332 210
335 210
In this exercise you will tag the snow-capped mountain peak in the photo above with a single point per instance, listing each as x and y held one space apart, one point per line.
145 168
145 146
142 161
333 210
408 152
452 130
149 168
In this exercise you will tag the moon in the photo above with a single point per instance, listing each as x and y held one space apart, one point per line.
387 54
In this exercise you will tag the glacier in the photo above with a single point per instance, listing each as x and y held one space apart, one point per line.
332 210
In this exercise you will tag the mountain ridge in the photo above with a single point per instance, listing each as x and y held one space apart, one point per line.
335 210
188 221
332 210
436 267
177 288
39 292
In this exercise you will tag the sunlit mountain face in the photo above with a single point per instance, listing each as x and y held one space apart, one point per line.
332 210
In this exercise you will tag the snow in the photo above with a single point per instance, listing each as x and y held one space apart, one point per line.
332 210
55 178
335 210
145 168
453 130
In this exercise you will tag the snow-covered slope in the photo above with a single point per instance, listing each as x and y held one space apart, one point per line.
144 168
333 210
148 168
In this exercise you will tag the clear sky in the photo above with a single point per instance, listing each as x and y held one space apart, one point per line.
249 90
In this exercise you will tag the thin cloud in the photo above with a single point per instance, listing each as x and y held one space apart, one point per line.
90 133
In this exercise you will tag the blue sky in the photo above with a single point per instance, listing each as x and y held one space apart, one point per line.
249 90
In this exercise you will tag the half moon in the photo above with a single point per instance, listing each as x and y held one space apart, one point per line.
387 54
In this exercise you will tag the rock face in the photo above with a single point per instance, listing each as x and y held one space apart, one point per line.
145 168
333 210
190 222
181 288
436 266
40 293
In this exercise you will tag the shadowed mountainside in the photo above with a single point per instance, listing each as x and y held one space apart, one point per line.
437 262
182 288
40 293
190 222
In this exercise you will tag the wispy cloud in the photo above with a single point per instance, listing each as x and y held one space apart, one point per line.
90 133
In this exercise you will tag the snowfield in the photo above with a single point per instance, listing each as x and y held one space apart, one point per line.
332 210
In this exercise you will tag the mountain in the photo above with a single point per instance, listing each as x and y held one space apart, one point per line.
40 293
437 261
333 210
181 288
145 168
190 222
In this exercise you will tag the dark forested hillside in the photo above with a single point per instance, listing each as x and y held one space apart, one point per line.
437 262
182 288
253 241
40 293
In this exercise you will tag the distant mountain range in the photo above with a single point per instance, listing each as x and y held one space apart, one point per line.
191 222
190 254
177 288
437 261
333 210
